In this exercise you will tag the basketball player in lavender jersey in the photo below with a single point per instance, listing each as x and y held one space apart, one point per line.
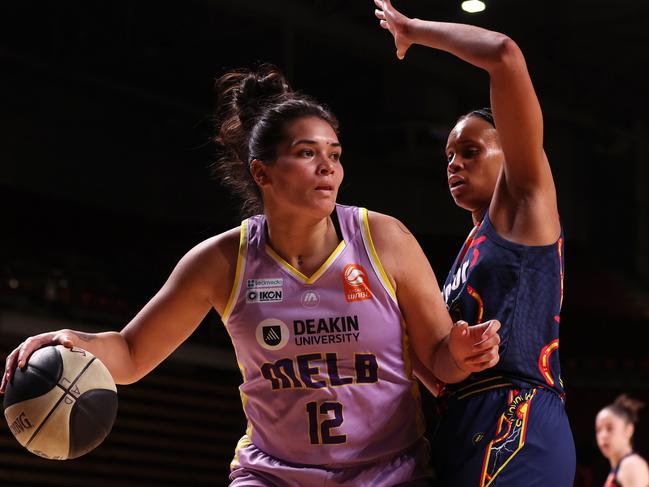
323 303
505 426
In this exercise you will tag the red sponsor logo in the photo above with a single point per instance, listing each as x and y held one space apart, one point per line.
357 287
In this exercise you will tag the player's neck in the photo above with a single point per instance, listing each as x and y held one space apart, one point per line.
478 215
304 244
618 456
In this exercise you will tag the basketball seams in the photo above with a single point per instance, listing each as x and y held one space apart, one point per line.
37 366
40 426
72 415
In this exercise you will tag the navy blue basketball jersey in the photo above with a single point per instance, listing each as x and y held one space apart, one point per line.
520 285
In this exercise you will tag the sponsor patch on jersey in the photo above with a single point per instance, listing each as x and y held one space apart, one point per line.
355 281
272 334
265 295
326 331
272 282
310 299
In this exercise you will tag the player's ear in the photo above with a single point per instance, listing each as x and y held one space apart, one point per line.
259 172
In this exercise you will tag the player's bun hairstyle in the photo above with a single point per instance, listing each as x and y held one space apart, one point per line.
626 408
483 113
253 108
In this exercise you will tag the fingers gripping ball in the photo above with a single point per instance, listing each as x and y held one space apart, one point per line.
62 404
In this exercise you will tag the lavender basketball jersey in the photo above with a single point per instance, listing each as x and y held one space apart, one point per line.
325 362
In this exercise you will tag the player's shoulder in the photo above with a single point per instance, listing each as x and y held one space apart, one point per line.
222 241
387 230
634 467
396 247
221 247
635 460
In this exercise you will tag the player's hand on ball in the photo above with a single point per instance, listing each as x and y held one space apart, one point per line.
20 355
475 348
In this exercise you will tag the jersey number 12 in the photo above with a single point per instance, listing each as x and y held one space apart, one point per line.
320 432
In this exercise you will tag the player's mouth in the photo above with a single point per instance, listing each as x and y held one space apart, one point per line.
325 188
455 182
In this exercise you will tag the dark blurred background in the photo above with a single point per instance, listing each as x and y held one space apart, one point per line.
105 111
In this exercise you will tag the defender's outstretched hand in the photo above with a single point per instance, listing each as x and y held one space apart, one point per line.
474 348
397 23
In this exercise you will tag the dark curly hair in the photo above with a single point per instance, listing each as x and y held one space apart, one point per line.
253 109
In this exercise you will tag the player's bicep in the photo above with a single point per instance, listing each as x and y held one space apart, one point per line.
424 311
177 309
418 294
519 122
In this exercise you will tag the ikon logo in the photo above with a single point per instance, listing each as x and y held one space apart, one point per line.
268 295
356 284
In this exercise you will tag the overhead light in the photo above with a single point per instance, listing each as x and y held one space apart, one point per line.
473 6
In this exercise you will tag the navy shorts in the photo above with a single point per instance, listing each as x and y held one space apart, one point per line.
504 438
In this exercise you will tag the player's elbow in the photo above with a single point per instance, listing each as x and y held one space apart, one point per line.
126 369
506 53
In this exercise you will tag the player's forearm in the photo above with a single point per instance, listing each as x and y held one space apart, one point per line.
445 368
112 349
480 47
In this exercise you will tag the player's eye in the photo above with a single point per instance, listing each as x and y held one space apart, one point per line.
470 153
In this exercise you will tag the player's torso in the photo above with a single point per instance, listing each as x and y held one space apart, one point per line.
522 286
326 375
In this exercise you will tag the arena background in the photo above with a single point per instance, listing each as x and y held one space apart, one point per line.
104 184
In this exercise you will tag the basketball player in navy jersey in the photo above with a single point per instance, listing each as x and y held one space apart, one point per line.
323 303
505 426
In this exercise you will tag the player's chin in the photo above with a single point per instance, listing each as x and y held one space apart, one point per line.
324 205
462 201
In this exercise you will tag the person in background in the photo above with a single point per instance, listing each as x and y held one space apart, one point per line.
614 428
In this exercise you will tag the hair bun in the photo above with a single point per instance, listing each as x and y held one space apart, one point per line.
628 406
261 86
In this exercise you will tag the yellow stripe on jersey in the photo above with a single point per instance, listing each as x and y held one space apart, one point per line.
245 439
409 372
242 443
374 257
307 280
238 275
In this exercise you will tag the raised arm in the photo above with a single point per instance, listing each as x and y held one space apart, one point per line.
201 280
448 352
526 188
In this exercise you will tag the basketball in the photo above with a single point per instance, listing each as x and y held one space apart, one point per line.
62 404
